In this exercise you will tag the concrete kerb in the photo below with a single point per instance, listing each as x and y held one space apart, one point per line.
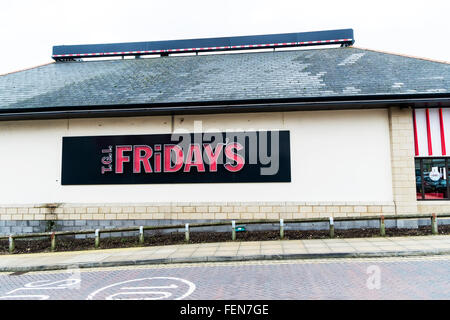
181 260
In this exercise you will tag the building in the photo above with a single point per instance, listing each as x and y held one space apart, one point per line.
88 143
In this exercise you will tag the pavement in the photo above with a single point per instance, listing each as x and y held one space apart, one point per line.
231 251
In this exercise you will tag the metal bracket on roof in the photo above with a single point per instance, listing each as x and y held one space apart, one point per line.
164 48
69 59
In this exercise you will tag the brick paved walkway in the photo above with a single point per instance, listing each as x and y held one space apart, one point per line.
231 251
350 278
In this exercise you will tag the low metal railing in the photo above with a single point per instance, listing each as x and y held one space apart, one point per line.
282 223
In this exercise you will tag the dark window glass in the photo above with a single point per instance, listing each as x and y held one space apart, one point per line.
431 178
434 175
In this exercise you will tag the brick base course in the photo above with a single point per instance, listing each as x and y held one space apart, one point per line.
209 211
433 207
35 218
18 226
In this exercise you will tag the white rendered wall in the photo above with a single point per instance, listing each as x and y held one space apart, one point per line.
335 156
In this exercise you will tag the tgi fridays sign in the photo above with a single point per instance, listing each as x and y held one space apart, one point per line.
218 157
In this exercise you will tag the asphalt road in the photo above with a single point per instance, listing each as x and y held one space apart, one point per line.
381 278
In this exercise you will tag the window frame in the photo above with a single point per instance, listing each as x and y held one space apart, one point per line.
447 162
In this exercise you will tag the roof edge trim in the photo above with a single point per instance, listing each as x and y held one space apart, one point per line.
436 100
403 55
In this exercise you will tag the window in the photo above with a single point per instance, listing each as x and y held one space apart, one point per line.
431 178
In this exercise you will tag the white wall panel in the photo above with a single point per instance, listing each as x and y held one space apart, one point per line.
335 156
421 126
446 121
435 130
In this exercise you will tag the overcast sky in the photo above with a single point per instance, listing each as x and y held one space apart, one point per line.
29 29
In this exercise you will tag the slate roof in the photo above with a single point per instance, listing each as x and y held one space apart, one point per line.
334 72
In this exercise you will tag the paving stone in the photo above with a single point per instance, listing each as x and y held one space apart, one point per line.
68 223
26 230
34 223
5 230
80 223
10 223
343 249
410 224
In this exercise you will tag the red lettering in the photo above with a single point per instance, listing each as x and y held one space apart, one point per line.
234 156
158 161
138 157
194 150
120 158
178 152
213 156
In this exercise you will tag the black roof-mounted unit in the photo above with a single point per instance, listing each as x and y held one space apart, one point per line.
342 36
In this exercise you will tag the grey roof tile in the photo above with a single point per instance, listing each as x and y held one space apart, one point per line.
262 75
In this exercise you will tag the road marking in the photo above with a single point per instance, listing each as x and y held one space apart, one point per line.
42 285
27 297
145 295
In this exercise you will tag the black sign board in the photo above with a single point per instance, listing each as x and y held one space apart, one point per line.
218 157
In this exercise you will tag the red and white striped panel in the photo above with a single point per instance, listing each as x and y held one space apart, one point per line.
431 131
